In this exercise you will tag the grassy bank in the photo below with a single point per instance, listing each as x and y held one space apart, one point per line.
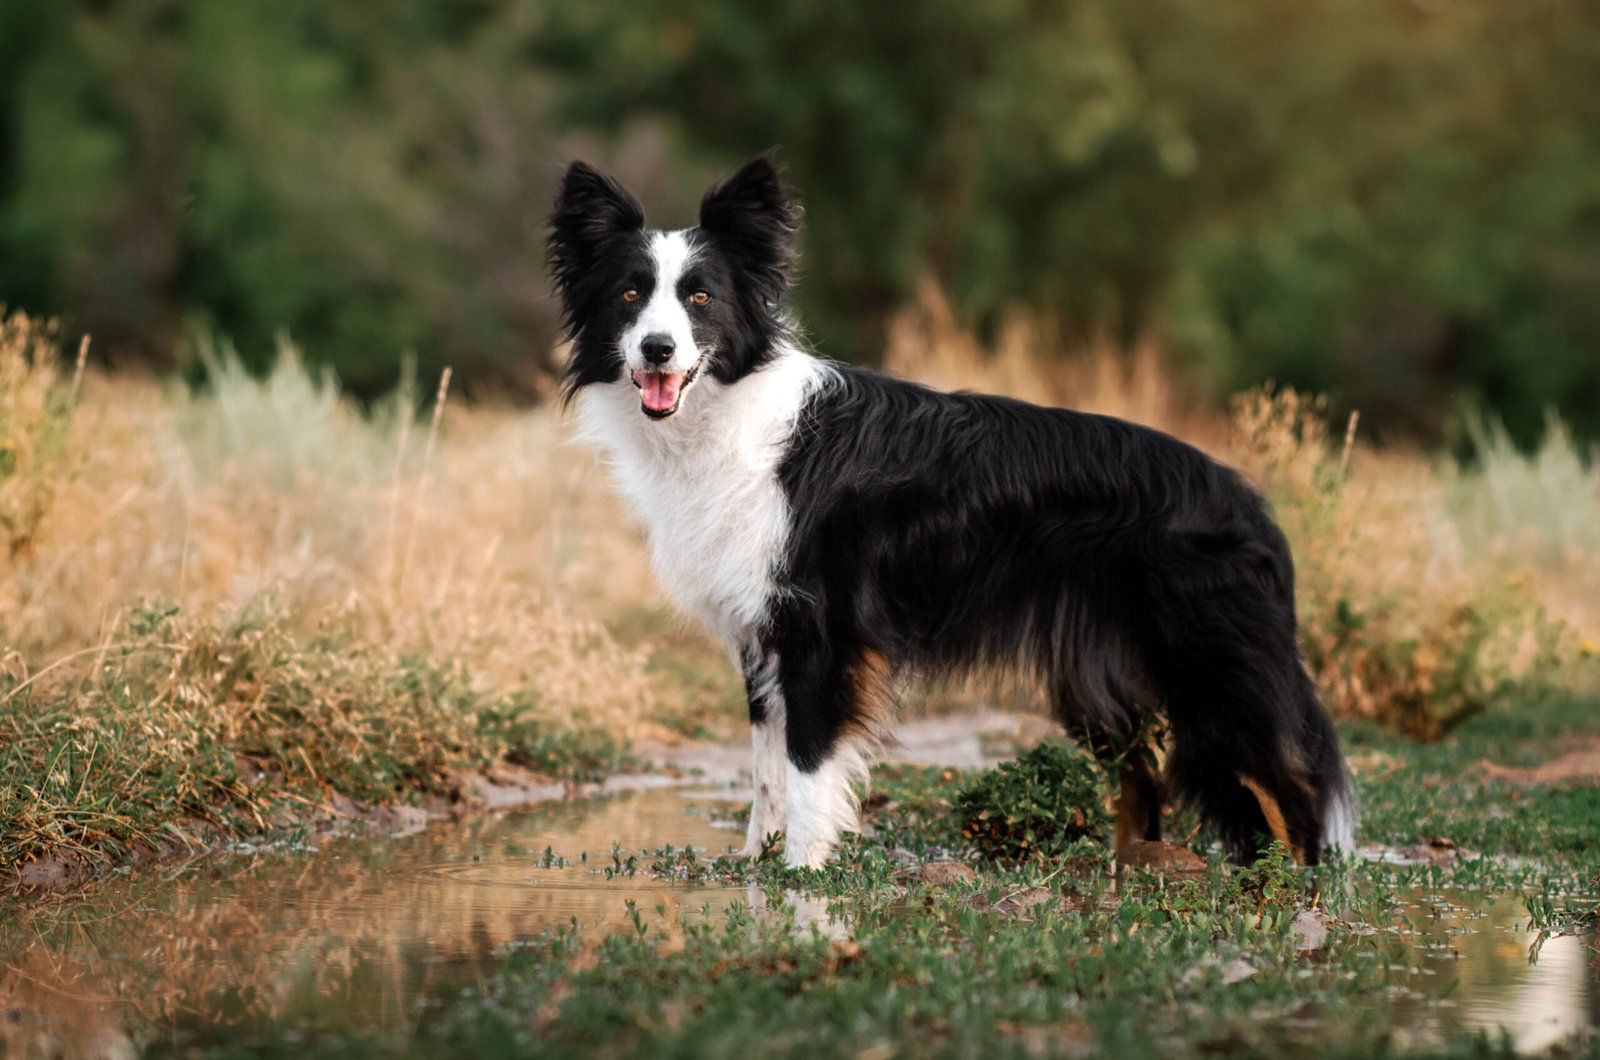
182 735
222 610
1058 957
220 607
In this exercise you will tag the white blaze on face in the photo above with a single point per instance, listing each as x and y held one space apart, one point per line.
664 316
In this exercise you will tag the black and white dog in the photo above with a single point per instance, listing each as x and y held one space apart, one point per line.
834 528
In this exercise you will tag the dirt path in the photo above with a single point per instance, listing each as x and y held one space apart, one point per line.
1580 766
962 741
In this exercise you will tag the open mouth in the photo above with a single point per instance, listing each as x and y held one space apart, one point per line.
660 392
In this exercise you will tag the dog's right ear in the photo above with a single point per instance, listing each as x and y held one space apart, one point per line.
752 215
592 210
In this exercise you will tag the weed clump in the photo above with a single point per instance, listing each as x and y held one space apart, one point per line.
1272 881
1398 622
182 725
1039 805
35 413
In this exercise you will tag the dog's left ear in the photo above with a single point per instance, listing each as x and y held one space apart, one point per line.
592 213
752 217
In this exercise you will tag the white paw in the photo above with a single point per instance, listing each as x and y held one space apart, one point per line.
803 855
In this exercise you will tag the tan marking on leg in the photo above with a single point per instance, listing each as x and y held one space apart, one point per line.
1138 806
1274 815
872 683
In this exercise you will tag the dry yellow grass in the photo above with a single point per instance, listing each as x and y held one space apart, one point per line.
475 535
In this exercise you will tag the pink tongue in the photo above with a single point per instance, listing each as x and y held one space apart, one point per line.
659 390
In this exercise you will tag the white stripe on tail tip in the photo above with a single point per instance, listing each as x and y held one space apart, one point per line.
1339 824
822 804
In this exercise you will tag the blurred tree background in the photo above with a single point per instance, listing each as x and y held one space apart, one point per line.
1394 201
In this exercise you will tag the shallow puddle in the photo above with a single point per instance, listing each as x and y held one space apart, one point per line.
1471 969
359 933
364 933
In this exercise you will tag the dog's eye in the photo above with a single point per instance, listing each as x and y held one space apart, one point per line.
631 294
700 298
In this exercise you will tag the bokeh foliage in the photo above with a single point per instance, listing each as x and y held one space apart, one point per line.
1396 202
370 179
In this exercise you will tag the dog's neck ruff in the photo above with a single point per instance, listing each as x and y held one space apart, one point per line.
705 484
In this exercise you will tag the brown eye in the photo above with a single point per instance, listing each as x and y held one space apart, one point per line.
630 295
700 298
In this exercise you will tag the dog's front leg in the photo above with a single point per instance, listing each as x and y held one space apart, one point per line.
769 759
822 805
769 772
835 700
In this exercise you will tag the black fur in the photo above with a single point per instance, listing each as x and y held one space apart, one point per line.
596 239
1125 570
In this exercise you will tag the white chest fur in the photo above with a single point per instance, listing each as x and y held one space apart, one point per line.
705 485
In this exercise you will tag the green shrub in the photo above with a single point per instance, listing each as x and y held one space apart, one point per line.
1048 799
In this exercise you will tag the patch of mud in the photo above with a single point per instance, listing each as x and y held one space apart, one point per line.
1153 856
1581 766
960 741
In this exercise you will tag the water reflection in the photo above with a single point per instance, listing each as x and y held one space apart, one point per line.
1470 969
355 934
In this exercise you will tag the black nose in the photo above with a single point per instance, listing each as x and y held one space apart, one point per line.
657 348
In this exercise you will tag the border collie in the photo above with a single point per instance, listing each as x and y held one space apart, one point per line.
835 528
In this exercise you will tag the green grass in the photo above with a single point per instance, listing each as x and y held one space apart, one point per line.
1053 956
1427 790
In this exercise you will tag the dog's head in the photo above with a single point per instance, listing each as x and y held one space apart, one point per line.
659 310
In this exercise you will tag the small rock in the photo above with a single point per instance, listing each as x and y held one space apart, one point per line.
945 873
1310 929
1237 971
1159 857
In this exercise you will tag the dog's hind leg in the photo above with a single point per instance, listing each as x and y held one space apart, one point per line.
1251 746
769 773
1096 691
835 706
1138 803
1272 814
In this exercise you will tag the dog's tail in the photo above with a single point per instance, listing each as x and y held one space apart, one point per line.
1253 748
